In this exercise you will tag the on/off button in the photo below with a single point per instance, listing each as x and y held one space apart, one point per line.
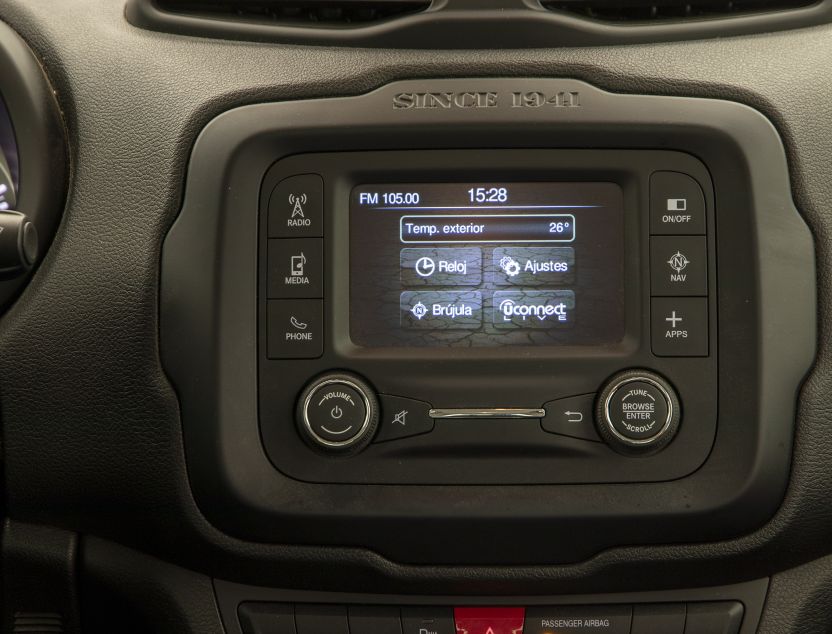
335 413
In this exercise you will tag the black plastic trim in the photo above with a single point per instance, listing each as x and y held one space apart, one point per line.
455 24
208 331
751 594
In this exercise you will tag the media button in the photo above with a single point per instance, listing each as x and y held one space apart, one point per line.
534 266
534 309
441 310
296 268
441 267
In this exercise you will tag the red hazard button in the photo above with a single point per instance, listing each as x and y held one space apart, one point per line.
489 620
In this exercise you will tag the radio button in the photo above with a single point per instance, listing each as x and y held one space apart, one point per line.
572 416
296 268
678 265
402 418
677 205
441 267
295 328
296 208
679 326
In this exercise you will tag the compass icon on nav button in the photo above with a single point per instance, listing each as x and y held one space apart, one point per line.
678 262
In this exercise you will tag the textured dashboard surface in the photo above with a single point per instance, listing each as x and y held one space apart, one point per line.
92 436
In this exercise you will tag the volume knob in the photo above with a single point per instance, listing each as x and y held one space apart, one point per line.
338 413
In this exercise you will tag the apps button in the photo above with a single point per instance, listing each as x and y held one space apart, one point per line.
534 309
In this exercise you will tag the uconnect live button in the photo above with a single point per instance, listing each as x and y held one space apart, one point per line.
489 620
585 619
441 310
534 309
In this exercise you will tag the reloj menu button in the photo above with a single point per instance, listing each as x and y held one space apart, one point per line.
534 309
441 310
441 267
677 205
296 207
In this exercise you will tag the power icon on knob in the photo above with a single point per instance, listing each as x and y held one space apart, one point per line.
338 413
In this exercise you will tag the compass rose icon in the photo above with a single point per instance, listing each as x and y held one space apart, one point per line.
419 310
678 262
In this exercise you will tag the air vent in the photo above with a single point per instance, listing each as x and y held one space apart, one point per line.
297 12
489 24
642 11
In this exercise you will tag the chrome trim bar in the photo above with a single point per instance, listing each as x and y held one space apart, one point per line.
487 412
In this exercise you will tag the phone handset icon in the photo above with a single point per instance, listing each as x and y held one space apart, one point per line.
298 324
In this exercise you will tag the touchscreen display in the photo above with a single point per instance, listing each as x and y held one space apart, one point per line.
484 264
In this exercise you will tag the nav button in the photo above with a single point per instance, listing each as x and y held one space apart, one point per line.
402 418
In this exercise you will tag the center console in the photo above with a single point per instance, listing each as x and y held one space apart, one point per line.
488 322
507 316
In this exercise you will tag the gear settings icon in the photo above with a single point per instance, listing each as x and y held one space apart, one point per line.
510 266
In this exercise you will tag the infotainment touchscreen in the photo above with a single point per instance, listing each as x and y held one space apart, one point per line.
486 264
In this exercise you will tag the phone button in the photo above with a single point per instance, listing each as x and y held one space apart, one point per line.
295 328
